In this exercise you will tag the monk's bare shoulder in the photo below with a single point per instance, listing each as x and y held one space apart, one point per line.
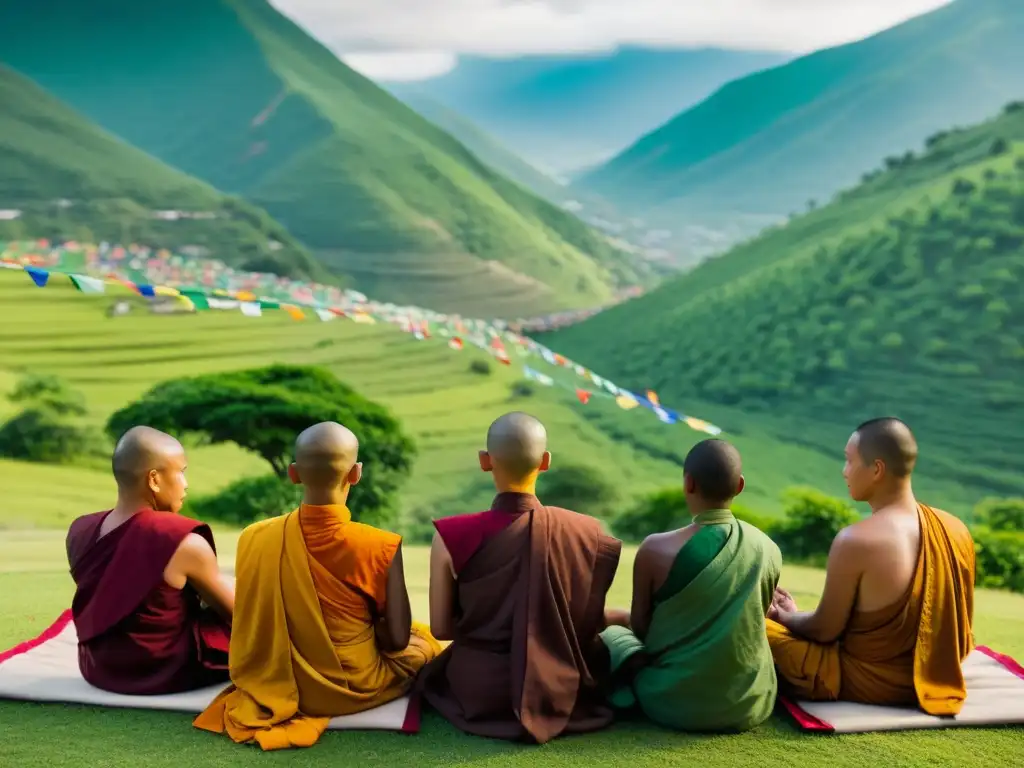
194 547
668 542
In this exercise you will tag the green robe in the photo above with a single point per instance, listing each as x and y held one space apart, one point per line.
709 664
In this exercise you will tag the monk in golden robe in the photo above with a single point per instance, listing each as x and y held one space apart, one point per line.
520 590
894 622
322 623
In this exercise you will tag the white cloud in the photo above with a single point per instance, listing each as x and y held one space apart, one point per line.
419 38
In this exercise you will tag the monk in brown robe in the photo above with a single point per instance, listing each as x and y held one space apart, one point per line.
323 626
894 622
142 573
520 591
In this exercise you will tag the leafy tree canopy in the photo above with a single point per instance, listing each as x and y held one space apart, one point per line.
263 411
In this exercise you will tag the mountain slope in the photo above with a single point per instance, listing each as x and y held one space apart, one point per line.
256 107
902 296
563 112
110 190
768 143
486 147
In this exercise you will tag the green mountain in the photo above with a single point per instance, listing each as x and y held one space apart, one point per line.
233 92
485 147
69 178
902 297
764 146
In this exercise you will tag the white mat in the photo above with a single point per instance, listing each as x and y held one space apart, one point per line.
995 696
46 669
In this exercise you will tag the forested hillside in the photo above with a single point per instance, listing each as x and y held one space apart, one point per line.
773 142
236 94
901 297
68 178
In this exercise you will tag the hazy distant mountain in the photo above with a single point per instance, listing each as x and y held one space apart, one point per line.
765 145
563 112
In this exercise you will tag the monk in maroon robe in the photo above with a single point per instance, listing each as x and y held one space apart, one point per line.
142 573
520 592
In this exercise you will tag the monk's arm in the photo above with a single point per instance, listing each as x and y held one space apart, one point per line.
394 627
846 561
197 562
442 591
640 606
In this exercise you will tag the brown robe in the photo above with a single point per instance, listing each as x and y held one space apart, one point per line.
526 661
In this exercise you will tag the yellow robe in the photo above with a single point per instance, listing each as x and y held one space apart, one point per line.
908 653
303 644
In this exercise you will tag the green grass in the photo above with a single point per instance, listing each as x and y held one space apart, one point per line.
256 107
51 153
35 588
901 298
769 142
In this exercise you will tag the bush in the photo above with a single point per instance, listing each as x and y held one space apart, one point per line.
1001 514
812 521
480 367
1000 559
49 392
40 434
581 489
765 524
522 389
655 513
247 500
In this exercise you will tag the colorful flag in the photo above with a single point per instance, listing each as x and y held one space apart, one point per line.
325 315
537 376
583 396
88 284
652 396
455 343
666 416
39 276
250 308
626 402
702 426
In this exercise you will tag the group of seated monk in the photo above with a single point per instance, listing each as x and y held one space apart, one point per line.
318 622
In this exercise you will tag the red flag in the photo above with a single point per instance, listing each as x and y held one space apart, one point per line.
455 343
583 395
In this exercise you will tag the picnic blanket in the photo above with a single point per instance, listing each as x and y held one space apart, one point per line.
995 696
46 669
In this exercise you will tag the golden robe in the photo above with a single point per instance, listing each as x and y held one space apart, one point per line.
309 586
908 653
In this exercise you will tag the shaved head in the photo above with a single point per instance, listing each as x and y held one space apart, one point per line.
890 441
716 470
142 450
517 443
325 454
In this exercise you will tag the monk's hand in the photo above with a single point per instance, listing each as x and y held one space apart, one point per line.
782 602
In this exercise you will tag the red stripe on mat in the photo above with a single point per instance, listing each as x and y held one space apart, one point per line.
809 722
412 715
47 634
1008 662
805 719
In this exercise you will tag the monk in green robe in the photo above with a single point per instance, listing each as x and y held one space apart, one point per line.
695 656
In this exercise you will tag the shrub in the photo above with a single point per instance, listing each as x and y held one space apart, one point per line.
40 434
480 367
764 523
579 488
1001 514
812 521
1000 559
247 500
521 389
657 512
49 392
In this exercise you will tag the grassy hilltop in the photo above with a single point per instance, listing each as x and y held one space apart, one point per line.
902 296
49 153
236 94
766 144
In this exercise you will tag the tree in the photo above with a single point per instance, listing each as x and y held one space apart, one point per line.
579 488
263 410
47 428
49 392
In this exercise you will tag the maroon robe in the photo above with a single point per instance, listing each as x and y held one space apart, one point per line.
526 661
137 634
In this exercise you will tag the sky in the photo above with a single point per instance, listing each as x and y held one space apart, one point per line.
396 40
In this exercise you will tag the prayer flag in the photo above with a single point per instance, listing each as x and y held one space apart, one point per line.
583 395
269 304
702 426
88 284
537 376
626 402
455 343
653 397
39 276
294 312
325 315
251 308
146 290
665 416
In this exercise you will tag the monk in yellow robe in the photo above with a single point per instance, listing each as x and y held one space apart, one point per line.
322 623
894 622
